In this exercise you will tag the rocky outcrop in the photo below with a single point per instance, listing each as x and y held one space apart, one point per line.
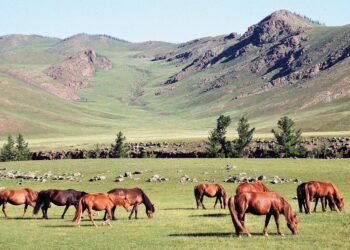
75 70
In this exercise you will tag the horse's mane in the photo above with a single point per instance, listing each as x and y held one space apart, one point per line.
287 211
146 200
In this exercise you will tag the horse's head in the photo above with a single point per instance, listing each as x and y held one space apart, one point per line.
341 204
292 223
150 211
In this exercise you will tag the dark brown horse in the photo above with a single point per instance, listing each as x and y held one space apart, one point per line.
99 202
210 190
135 196
251 187
66 198
261 203
323 190
25 196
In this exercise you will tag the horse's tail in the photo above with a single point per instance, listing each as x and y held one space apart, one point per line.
307 199
300 196
39 202
196 195
78 211
236 223
224 196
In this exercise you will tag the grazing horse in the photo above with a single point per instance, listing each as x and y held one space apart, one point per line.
210 190
323 190
261 203
18 197
66 198
99 202
135 196
251 187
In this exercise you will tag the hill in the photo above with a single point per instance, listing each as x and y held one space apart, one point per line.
84 88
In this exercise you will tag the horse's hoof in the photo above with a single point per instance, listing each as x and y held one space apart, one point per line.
249 235
281 234
265 234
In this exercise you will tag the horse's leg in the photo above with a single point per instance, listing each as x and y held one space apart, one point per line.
220 200
109 217
332 203
202 202
241 218
136 210
323 205
4 209
277 220
132 211
113 213
316 204
216 201
267 220
91 217
65 210
25 209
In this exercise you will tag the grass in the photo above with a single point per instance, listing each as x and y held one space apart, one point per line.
176 225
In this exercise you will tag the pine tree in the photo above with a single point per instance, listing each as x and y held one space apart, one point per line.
8 150
218 146
245 136
288 138
22 151
118 149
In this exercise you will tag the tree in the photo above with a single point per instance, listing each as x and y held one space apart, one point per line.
218 146
245 136
118 149
8 150
22 151
288 138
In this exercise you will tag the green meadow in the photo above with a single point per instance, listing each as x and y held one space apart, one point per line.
177 224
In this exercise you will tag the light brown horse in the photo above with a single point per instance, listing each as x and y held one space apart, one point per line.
25 196
99 202
210 190
261 203
323 190
251 187
135 196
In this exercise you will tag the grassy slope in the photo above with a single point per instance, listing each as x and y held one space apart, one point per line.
176 224
109 103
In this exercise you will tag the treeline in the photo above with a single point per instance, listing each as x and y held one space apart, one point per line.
15 149
287 137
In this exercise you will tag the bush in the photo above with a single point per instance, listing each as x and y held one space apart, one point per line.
118 149
15 151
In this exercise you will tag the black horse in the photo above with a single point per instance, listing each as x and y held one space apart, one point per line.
135 196
66 198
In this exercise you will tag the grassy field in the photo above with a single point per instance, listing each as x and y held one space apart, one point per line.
177 224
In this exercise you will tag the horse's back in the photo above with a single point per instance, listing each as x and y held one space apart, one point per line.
251 187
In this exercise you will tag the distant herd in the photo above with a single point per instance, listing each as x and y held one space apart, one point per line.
254 198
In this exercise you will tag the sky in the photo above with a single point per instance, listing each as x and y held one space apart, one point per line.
162 20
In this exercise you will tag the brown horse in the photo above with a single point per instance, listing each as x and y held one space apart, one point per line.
58 197
323 190
18 197
99 202
251 187
210 190
261 203
135 196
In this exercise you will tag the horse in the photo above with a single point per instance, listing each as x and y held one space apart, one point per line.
135 196
99 202
210 190
251 187
66 198
25 196
261 203
323 190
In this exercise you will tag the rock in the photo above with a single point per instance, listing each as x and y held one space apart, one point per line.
243 173
137 172
97 178
261 178
128 174
119 179
275 181
232 179
157 178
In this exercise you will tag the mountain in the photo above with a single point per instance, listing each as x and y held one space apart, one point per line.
93 85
